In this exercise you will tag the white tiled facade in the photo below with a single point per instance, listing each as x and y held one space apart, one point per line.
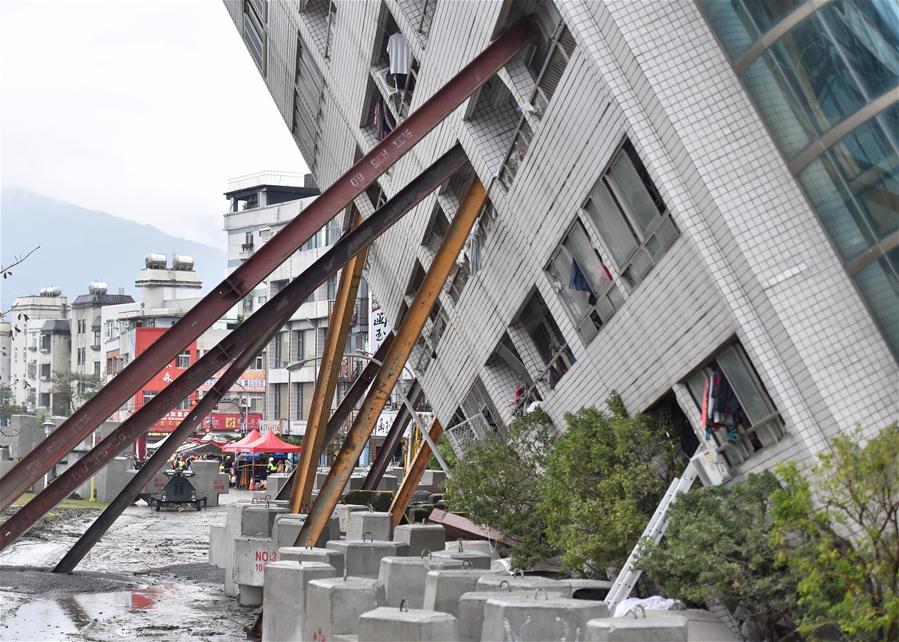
751 264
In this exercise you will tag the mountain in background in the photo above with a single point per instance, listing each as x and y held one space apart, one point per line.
79 246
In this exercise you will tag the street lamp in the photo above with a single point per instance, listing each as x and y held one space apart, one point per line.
296 365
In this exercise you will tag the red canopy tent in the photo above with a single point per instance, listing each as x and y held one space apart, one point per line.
239 446
270 443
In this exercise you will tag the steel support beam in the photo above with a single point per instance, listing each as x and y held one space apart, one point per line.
158 460
413 475
408 332
264 322
326 383
345 407
242 281
392 440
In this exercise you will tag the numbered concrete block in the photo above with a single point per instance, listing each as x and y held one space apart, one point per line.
538 618
671 628
475 559
404 577
363 559
470 612
304 554
284 598
334 605
251 556
443 589
343 512
377 524
421 537
387 624
218 534
496 582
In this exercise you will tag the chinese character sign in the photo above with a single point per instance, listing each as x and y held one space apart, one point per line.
378 328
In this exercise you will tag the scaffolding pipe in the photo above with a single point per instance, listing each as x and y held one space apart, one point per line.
403 343
245 278
264 322
392 440
413 475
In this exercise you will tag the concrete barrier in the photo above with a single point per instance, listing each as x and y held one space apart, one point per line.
304 554
251 556
524 583
387 624
480 545
363 559
354 483
476 559
443 589
275 482
217 547
538 618
421 537
111 479
470 611
287 526
377 524
334 605
246 520
388 483
284 598
404 577
343 512
702 626
584 589
671 628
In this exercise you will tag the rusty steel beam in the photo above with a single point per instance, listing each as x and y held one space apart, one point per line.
413 475
158 460
326 383
242 281
266 321
392 440
403 343
345 407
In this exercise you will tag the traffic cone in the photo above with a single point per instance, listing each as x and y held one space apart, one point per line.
252 485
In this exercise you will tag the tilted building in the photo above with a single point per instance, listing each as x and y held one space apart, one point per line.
693 203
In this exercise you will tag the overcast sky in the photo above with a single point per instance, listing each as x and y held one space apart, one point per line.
142 109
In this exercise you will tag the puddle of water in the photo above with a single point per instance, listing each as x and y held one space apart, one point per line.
56 618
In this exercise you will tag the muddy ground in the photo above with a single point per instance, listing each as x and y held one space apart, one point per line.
147 579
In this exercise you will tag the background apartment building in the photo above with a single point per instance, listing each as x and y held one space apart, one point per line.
688 200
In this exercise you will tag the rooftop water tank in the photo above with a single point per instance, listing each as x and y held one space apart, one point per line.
182 263
97 287
155 261
51 291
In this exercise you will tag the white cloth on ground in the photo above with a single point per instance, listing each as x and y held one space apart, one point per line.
656 602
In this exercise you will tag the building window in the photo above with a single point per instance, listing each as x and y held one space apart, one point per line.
45 400
276 398
45 371
282 350
146 395
247 242
736 412
631 216
546 339
254 20
183 359
96 368
184 404
259 363
45 343
96 344
584 284
332 287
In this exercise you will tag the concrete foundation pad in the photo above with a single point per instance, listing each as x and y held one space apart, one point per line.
702 625
334 605
251 555
479 545
404 577
538 619
475 559
470 611
343 510
288 525
284 598
421 537
497 582
672 628
305 554
584 589
388 483
443 589
377 524
363 559
387 624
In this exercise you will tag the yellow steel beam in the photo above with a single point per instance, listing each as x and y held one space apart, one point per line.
326 383
403 343
413 475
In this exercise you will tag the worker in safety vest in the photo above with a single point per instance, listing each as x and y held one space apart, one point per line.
272 467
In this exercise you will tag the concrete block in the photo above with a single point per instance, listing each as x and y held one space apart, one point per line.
345 638
671 628
363 559
323 555
476 559
404 577
387 624
702 626
584 589
287 526
538 618
421 537
275 482
320 476
377 524
388 483
433 480
334 605
354 483
111 479
524 583
343 511
218 534
251 556
479 545
470 612
284 598
443 589
257 520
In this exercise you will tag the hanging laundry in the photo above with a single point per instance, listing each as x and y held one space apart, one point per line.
577 280
400 55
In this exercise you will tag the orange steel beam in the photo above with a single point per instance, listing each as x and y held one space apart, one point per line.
403 343
413 476
335 341
242 280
